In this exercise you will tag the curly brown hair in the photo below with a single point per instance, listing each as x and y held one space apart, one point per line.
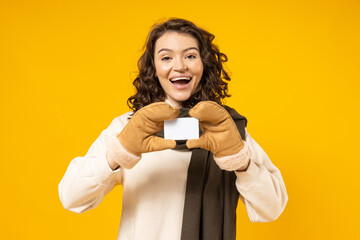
212 86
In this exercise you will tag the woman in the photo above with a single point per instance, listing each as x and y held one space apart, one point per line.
177 190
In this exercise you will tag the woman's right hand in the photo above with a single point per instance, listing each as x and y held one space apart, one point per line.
139 134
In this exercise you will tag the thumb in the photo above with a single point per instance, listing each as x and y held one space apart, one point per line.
154 143
160 111
202 142
208 111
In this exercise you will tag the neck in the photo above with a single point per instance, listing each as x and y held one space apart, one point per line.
174 104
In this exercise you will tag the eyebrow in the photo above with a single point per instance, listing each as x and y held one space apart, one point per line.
168 49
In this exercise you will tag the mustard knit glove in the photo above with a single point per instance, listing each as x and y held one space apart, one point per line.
220 136
138 136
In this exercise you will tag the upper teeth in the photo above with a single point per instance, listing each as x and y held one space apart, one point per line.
180 78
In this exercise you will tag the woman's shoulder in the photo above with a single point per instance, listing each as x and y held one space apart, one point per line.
119 122
234 114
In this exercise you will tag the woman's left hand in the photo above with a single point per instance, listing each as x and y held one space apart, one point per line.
220 135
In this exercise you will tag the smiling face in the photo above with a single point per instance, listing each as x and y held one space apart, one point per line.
178 66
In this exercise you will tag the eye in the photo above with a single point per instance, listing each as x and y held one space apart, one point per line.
191 56
165 59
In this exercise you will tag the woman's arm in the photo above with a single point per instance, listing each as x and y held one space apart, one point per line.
88 179
261 186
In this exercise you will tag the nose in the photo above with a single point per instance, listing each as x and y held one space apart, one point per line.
179 65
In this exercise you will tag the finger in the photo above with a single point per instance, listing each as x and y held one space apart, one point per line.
209 111
202 142
154 143
159 111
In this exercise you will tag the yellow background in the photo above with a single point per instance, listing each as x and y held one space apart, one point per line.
66 69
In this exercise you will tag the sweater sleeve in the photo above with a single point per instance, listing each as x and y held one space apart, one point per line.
261 186
89 178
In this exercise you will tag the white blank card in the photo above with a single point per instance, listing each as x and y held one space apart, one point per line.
181 129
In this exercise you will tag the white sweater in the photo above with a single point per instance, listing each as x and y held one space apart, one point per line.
154 190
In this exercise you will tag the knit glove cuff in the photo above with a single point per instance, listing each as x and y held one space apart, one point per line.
235 161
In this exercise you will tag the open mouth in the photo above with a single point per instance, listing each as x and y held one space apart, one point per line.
180 80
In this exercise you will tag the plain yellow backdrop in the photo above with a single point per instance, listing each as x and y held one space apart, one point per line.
66 70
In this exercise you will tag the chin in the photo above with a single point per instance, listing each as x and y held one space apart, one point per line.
182 98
